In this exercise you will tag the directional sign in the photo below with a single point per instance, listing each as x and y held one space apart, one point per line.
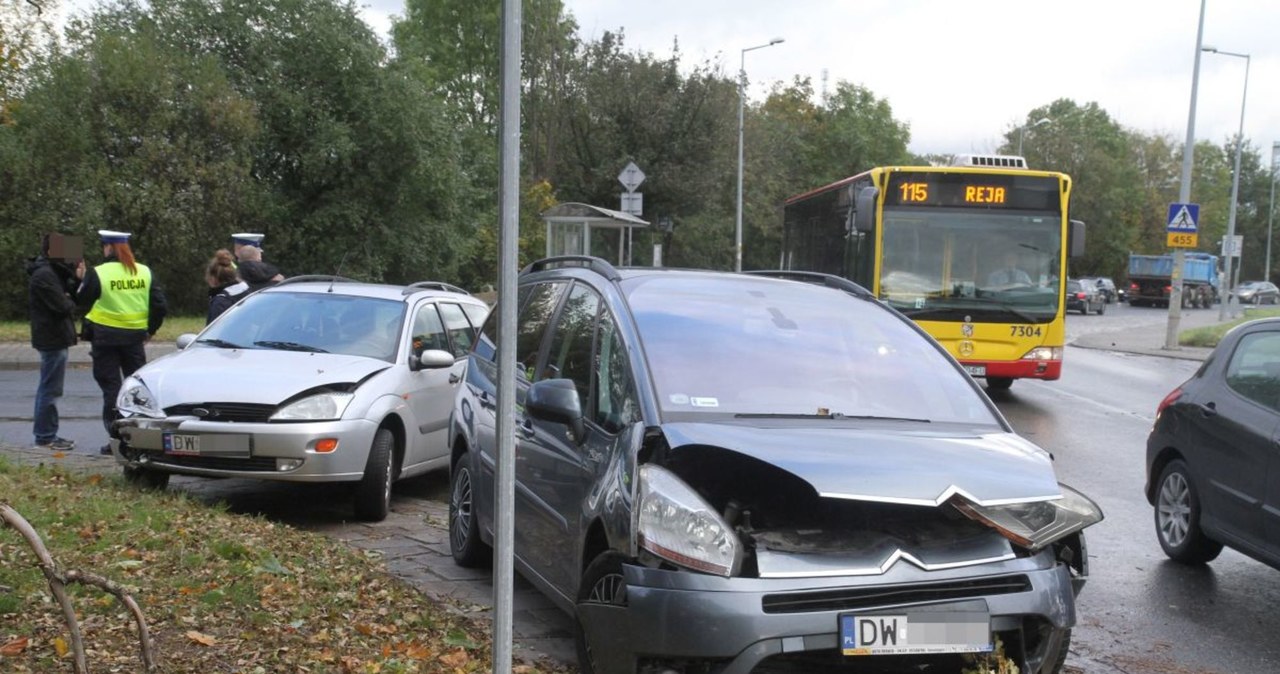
1182 228
631 177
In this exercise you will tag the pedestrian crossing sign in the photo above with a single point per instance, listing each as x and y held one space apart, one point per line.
1182 232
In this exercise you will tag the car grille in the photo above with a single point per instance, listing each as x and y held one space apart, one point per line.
847 599
228 412
259 464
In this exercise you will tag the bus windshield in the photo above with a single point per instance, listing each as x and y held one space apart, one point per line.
966 265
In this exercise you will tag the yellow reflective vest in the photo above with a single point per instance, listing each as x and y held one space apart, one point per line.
125 297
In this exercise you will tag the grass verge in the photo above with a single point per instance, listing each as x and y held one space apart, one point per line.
221 592
1210 335
20 331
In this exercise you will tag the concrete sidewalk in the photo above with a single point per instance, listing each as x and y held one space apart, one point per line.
21 355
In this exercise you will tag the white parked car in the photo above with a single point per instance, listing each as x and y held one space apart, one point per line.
312 380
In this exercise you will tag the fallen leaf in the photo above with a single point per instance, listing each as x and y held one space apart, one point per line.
95 479
60 646
365 629
202 639
59 455
15 647
457 658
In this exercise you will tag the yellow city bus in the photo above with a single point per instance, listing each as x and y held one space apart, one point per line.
972 252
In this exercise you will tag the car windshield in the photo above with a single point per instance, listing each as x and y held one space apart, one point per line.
310 322
1073 286
747 346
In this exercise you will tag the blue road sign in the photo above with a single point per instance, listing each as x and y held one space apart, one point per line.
1183 218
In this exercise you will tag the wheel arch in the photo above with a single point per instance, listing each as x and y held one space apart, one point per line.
395 424
1163 458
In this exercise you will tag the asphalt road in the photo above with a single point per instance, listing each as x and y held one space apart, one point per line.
1138 614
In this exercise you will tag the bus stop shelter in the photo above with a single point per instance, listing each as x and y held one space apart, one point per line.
570 227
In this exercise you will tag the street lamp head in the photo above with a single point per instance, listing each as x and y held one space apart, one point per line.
1041 121
776 40
1212 50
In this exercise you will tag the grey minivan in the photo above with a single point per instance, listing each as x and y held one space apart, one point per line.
719 470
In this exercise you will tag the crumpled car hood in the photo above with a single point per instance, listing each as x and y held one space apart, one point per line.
916 468
203 374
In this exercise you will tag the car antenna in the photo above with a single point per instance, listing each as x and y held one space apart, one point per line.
338 274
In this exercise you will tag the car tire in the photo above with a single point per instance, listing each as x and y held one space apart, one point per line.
373 492
1102 308
1177 517
999 383
602 583
146 479
464 525
1056 658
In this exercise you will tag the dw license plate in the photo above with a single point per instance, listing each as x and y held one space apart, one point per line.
918 633
181 444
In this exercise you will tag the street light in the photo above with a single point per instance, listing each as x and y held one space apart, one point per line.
742 82
1235 178
1023 133
1184 194
1271 211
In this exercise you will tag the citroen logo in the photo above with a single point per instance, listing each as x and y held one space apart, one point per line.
966 347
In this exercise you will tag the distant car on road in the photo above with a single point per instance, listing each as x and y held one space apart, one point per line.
1257 292
1211 455
1083 296
712 469
307 381
1107 288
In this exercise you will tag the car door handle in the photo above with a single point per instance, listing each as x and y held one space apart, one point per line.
485 399
1208 410
454 378
526 428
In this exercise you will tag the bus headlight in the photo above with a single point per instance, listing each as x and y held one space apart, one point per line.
1044 353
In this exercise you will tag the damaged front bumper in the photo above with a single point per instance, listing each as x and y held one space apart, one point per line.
734 624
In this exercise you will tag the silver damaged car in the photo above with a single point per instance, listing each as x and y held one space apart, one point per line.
312 380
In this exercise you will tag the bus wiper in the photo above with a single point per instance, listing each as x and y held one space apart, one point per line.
832 415
220 343
290 346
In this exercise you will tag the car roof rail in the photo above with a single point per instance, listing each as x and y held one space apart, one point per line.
591 262
324 278
829 280
434 285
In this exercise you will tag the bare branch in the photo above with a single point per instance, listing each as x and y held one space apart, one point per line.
144 635
56 583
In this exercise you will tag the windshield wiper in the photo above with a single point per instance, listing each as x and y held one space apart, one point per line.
833 415
290 346
220 343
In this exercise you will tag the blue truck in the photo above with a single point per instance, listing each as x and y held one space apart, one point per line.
1151 280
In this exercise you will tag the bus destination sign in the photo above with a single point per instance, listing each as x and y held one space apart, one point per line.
973 190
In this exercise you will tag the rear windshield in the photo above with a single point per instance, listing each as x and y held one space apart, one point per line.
760 346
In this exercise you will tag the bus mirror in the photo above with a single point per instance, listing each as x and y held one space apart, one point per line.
864 216
1075 238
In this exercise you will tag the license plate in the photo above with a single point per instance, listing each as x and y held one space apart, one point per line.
976 370
916 634
181 444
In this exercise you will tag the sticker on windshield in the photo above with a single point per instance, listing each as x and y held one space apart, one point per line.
678 399
704 402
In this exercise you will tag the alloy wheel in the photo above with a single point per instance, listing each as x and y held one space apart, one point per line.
460 506
1174 509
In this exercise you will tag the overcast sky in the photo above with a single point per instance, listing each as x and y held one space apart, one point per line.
963 73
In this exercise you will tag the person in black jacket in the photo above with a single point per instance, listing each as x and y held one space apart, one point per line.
249 263
53 330
225 287
125 309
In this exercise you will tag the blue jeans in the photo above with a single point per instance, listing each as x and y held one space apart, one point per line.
53 371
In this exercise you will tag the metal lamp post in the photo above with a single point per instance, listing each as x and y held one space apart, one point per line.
1235 179
1184 194
742 95
1022 134
1271 210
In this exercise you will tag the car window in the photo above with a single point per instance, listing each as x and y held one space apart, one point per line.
614 395
1254 369
531 326
301 321
571 341
428 330
460 332
475 315
757 346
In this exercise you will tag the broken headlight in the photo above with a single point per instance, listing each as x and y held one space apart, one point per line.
676 524
135 399
1035 525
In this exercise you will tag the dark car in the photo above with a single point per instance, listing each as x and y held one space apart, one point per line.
1107 288
1257 292
1084 297
1211 456
713 469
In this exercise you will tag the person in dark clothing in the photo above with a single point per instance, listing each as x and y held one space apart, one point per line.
252 269
225 287
50 288
125 309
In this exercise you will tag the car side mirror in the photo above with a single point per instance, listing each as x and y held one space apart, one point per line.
556 401
435 359
184 340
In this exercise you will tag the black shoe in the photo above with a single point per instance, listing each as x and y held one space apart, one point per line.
57 445
105 450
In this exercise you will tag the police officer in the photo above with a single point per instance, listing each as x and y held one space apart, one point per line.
125 309
249 263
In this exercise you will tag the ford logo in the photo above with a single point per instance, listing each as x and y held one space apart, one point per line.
203 412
